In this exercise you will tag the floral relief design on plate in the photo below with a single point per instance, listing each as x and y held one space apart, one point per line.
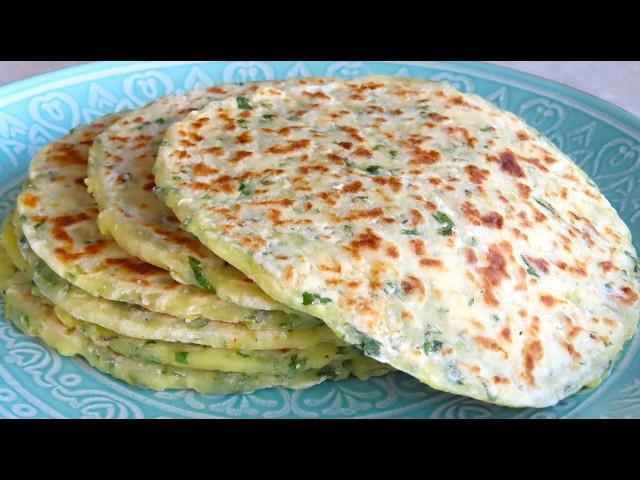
36 382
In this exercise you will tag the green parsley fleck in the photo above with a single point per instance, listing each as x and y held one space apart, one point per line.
373 169
182 357
243 123
268 116
242 354
636 265
546 205
243 103
432 346
444 219
378 148
393 153
530 269
196 267
309 298
330 371
471 301
165 143
371 346
244 189
288 326
160 121
296 364
412 231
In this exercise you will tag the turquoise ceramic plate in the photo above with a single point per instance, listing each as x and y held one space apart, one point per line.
36 382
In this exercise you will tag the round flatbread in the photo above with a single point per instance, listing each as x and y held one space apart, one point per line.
121 180
442 234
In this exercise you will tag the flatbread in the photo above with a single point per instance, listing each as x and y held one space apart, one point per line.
442 234
121 180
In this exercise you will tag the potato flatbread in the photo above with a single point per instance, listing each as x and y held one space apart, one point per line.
120 179
442 234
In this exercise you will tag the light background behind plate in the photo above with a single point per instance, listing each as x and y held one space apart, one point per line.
616 82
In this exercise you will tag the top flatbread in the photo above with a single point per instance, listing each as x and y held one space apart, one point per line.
446 236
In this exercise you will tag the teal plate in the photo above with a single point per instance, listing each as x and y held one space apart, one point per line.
36 382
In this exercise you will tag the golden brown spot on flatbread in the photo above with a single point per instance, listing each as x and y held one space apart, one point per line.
494 272
489 220
62 222
532 353
476 175
30 201
362 152
412 285
88 250
201 122
289 147
336 159
490 344
416 217
244 138
393 182
470 256
313 168
628 296
392 251
328 268
368 240
506 334
431 262
133 265
540 263
239 155
353 187
510 165
436 117
424 157
417 246
200 169
353 133
218 151
548 300
606 266
523 190
65 154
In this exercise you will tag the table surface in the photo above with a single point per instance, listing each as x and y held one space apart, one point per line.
616 82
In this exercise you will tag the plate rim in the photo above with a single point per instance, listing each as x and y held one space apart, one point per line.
23 86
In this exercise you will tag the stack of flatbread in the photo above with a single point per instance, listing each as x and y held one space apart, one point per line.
287 232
